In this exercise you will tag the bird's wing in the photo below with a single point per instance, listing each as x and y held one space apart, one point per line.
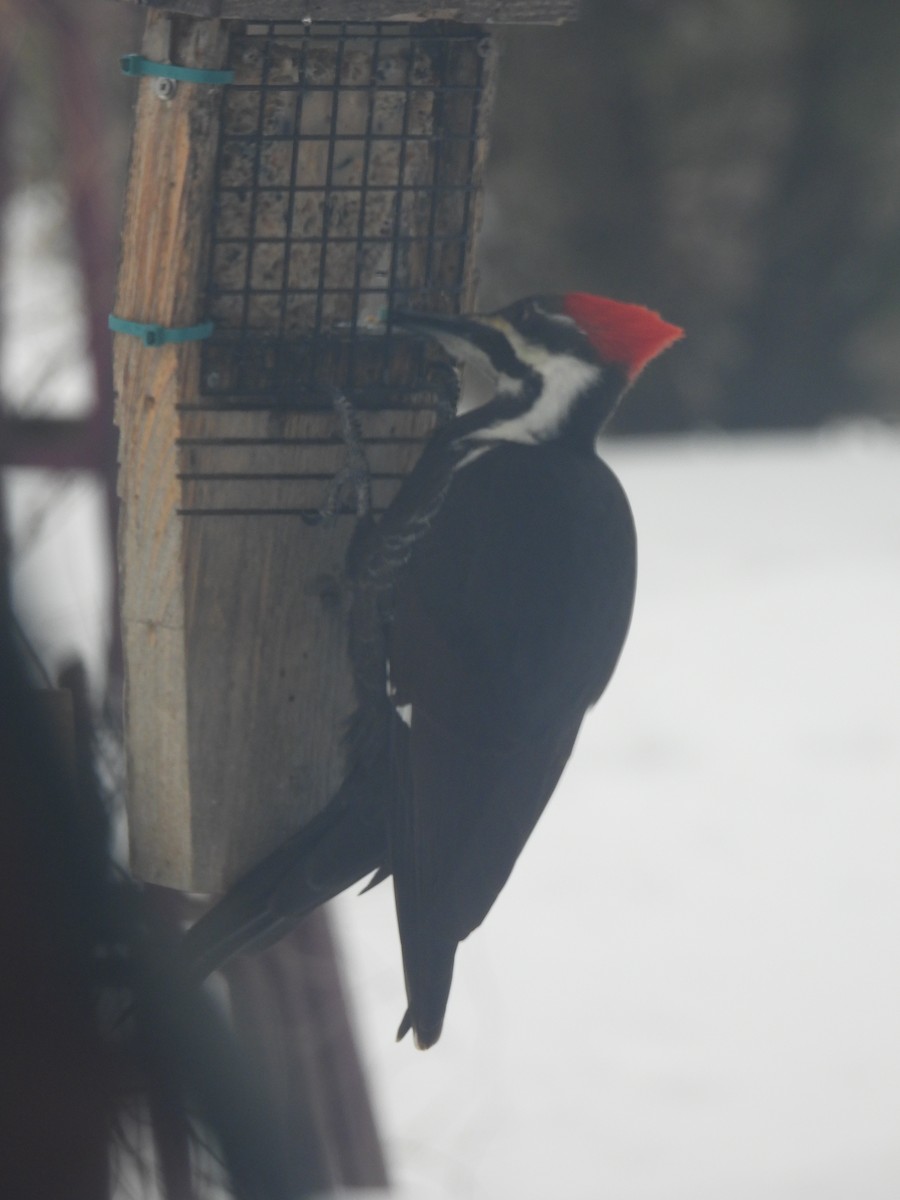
508 622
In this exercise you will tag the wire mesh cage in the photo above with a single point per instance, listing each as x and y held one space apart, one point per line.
346 187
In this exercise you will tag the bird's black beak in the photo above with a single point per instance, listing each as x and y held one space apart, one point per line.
468 339
432 324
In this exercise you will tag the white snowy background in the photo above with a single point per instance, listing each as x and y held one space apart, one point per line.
690 988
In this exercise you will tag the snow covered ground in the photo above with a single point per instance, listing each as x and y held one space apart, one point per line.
690 988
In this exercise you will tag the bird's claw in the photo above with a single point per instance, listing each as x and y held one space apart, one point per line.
353 474
446 381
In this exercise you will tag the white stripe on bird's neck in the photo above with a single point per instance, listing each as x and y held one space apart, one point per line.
564 377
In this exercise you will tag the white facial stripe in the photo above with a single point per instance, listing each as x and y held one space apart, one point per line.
463 350
559 318
565 378
471 457
403 711
507 386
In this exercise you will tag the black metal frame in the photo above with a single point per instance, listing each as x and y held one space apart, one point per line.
304 273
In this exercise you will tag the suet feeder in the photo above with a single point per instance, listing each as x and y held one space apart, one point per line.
298 171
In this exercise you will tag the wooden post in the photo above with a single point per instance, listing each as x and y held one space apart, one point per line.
233 608
316 209
160 281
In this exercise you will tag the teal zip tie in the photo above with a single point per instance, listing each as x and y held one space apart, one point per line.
160 335
136 64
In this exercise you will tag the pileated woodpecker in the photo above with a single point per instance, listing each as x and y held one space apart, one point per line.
491 605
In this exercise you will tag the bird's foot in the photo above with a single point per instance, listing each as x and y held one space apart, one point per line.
354 475
446 382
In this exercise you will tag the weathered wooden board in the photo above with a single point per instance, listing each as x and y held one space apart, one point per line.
237 680
163 249
479 12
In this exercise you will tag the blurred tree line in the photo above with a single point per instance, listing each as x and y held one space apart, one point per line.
734 164
34 35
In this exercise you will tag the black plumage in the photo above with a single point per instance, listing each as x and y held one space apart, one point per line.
508 623
491 604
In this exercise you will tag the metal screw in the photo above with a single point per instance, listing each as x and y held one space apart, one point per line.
483 48
165 88
213 379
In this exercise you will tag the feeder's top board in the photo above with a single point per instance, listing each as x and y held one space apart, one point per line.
477 12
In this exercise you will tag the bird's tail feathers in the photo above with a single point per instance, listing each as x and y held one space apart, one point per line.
428 969
342 845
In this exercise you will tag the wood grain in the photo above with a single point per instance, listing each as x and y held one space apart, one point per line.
163 251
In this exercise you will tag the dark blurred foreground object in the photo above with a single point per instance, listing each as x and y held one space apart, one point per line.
51 51
490 606
80 945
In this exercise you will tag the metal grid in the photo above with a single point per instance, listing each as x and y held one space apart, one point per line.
344 190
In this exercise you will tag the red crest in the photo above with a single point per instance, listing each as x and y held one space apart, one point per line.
626 335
